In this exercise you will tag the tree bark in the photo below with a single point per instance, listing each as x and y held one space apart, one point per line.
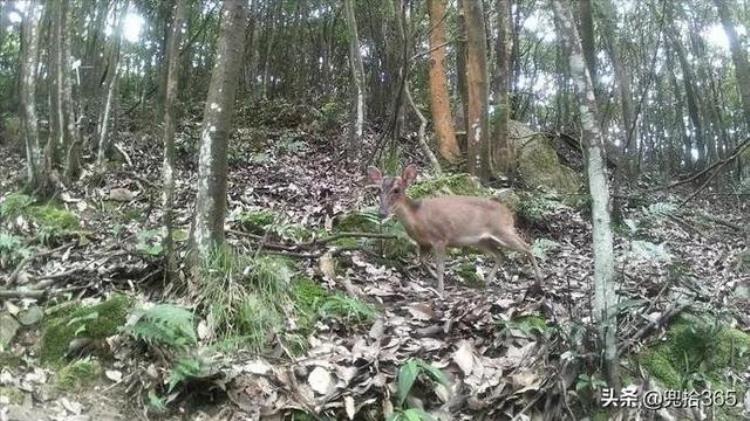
605 298
477 136
439 96
170 123
358 75
29 64
210 204
73 140
112 75
504 157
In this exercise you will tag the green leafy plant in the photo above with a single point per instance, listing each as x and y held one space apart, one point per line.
408 374
165 324
15 204
12 250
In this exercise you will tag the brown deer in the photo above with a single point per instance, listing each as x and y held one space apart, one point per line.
450 221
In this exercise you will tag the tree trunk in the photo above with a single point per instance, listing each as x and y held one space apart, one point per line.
690 94
605 298
439 96
588 43
477 136
210 204
29 64
739 57
461 75
111 83
170 123
72 134
503 152
358 75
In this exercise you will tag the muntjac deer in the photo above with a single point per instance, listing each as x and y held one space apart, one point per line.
450 221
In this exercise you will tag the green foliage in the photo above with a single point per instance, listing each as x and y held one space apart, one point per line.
77 374
332 114
262 221
542 246
313 302
12 250
14 205
184 370
165 324
408 374
54 223
11 130
590 383
291 143
95 322
246 298
537 206
368 220
468 272
411 414
149 242
697 351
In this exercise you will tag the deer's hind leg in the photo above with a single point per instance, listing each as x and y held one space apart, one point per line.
512 241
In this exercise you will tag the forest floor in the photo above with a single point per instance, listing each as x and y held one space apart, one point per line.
384 342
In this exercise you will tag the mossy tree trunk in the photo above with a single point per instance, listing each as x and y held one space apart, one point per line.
207 231
605 298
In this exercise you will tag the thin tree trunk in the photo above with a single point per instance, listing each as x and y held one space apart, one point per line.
170 123
210 204
112 76
605 298
29 64
461 84
358 75
439 96
477 137
72 139
504 156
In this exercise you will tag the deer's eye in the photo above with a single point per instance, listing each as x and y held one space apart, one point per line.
396 190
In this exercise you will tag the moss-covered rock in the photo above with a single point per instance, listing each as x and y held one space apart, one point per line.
95 322
77 374
448 184
697 348
537 162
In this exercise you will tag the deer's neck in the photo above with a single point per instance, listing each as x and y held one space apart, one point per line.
405 213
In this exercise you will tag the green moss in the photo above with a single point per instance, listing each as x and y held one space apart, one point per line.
95 322
468 272
77 374
313 302
448 184
14 396
257 221
697 348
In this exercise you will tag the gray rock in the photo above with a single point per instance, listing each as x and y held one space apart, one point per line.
31 316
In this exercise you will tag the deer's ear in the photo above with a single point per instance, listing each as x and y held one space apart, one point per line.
409 174
375 175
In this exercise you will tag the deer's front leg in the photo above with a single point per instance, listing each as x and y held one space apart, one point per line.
439 250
